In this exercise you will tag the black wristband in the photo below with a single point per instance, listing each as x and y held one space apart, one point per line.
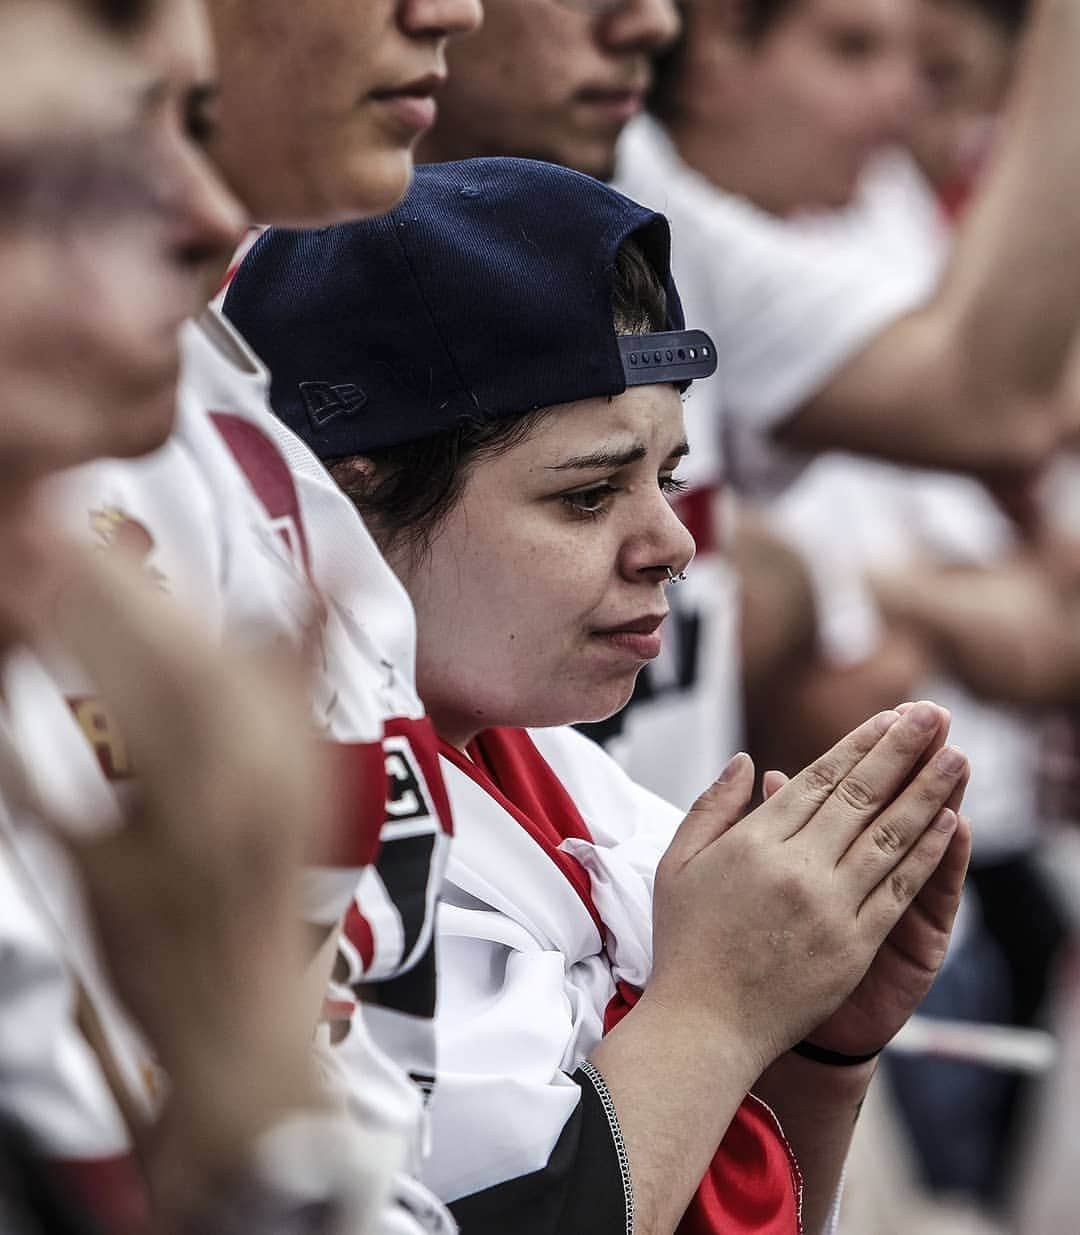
834 1058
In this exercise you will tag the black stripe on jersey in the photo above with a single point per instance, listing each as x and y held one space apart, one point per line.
581 1190
412 992
404 866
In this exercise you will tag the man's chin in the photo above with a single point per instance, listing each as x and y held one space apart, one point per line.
596 160
372 185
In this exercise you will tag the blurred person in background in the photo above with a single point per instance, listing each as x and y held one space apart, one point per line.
964 377
766 112
549 80
976 605
967 56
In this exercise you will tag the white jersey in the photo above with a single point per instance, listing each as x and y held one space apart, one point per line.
228 527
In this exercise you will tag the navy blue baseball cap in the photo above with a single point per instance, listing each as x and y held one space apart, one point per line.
486 294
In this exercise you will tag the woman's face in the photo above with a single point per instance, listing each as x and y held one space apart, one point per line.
544 589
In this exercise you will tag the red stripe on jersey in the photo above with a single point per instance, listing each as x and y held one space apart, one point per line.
357 930
269 476
359 772
507 765
112 1190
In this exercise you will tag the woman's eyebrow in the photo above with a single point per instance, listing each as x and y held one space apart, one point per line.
599 459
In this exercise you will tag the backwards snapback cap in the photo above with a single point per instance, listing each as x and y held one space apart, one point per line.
485 294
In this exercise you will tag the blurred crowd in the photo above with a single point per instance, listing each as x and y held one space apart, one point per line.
437 435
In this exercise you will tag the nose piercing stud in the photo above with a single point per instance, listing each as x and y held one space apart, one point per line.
672 577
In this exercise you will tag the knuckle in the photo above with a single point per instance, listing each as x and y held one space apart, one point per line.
889 837
856 793
820 779
901 887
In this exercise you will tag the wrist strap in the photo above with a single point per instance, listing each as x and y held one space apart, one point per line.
834 1058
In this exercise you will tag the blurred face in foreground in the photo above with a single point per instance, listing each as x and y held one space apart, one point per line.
323 102
797 109
541 596
108 214
551 80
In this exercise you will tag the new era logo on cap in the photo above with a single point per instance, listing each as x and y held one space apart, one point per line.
325 402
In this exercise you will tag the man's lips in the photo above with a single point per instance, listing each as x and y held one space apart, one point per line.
412 104
615 103
638 638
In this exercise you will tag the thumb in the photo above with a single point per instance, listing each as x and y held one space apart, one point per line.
716 810
771 782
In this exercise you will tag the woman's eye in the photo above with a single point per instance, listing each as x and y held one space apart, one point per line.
592 501
672 484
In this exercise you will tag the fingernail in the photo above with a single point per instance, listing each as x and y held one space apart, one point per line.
950 761
733 765
884 721
924 716
945 821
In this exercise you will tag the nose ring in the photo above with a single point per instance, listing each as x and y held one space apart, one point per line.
672 577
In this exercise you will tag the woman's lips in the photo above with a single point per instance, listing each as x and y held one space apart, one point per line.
640 646
639 638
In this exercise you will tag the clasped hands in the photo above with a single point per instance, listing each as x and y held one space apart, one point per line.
825 913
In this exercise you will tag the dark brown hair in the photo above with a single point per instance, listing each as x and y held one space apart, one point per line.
405 491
